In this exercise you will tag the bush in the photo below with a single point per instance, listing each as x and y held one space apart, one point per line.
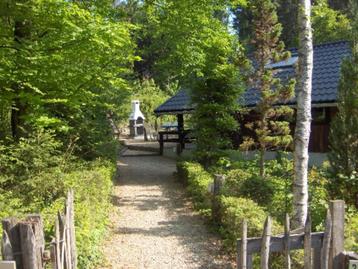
198 181
234 210
35 177
351 231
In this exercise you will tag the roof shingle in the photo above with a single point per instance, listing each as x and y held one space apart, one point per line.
327 60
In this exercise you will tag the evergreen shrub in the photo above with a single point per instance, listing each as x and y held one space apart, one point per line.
198 184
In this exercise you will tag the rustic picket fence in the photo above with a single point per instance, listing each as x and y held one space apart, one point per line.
322 250
24 241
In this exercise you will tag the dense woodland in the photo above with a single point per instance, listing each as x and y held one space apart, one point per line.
66 67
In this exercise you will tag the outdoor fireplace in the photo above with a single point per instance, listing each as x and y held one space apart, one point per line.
136 121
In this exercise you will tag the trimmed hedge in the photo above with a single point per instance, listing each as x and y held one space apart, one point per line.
233 209
198 183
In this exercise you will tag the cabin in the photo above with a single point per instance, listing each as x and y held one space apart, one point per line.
327 60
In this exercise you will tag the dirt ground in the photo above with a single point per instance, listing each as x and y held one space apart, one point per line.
153 224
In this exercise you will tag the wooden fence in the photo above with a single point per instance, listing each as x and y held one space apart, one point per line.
322 250
24 241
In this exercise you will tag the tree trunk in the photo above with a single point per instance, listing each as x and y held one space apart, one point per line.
303 118
18 110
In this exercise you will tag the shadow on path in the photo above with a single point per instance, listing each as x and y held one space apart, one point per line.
156 226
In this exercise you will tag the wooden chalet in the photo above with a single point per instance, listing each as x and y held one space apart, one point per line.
327 60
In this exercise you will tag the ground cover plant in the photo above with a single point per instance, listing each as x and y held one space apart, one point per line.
35 177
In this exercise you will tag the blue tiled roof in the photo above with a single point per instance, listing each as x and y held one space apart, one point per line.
327 60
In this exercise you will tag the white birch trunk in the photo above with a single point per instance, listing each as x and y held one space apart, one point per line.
303 119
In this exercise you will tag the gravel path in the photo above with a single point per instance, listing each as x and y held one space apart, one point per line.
153 225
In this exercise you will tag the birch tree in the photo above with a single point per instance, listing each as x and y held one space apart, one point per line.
303 118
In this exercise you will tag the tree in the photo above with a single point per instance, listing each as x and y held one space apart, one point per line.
215 94
329 24
208 57
270 131
303 115
344 130
287 15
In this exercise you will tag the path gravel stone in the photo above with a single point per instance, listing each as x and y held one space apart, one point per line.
153 224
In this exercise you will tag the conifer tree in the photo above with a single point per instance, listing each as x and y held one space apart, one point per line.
271 132
344 131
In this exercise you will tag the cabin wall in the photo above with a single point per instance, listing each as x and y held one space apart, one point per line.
319 138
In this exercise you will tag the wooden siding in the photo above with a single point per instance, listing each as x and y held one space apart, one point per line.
319 139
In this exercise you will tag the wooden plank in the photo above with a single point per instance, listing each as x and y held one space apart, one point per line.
53 254
277 242
7 265
6 248
287 243
337 237
72 229
317 258
57 246
326 241
265 245
38 229
249 264
28 246
10 225
242 259
307 244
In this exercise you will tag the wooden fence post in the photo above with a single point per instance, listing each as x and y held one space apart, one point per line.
6 248
242 259
337 238
38 230
287 243
308 244
11 226
28 246
265 244
71 219
326 241
215 209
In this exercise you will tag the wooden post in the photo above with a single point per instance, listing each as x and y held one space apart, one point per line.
28 246
337 237
38 230
180 119
11 227
71 218
161 144
6 248
317 258
215 210
242 259
287 242
326 241
265 244
307 244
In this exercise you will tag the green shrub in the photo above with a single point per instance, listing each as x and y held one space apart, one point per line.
318 197
234 210
234 180
198 181
35 177
351 230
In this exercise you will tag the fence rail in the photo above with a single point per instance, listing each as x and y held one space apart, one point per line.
24 241
327 246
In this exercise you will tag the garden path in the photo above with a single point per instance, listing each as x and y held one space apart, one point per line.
153 224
